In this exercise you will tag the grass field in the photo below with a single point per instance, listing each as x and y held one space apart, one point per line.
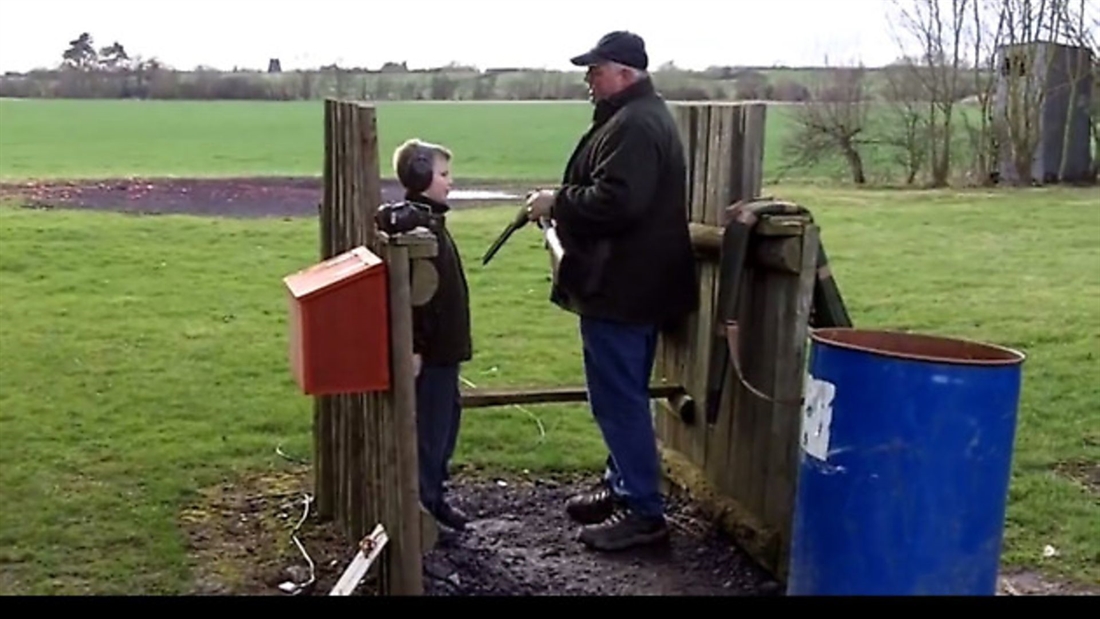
144 358
527 141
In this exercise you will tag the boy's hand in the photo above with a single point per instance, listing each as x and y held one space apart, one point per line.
416 365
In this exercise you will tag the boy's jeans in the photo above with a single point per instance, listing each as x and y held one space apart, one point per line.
438 412
618 359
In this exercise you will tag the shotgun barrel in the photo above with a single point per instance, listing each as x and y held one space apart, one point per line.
519 221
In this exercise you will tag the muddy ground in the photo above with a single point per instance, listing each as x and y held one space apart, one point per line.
520 543
229 197
241 540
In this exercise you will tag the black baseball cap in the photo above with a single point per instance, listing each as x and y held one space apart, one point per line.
619 46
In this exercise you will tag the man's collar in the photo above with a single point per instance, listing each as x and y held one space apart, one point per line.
607 107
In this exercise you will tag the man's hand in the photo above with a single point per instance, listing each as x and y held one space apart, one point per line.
416 365
539 203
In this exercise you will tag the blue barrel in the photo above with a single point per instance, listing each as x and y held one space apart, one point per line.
904 465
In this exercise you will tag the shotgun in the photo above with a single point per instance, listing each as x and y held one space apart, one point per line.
550 235
519 221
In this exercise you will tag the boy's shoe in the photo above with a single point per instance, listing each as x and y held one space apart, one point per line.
624 529
451 517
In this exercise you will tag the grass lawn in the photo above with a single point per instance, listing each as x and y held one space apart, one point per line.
526 141
144 357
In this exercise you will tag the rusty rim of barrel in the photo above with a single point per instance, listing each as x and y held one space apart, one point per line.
918 347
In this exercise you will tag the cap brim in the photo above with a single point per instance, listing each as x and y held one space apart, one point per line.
586 59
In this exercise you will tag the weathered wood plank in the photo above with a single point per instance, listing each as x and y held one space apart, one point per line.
738 431
757 351
672 363
781 225
782 466
718 446
758 356
403 516
369 551
753 122
667 360
483 398
324 407
749 531
346 421
779 254
371 172
721 164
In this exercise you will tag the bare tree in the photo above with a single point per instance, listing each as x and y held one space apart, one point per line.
906 127
938 32
1082 66
985 30
834 122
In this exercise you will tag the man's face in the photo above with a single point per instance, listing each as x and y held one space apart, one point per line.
605 80
441 180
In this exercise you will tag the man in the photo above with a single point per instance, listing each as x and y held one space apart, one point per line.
627 271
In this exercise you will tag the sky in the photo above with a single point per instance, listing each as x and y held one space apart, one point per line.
486 33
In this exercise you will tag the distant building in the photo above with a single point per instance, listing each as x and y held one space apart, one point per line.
1052 67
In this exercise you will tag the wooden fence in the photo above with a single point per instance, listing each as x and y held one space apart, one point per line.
733 448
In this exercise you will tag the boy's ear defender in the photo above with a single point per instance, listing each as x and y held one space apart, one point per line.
420 170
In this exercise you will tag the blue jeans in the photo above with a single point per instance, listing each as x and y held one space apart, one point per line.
618 360
438 414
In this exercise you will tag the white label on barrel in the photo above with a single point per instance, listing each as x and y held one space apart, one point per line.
817 415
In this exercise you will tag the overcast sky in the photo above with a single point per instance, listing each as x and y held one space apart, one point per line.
536 33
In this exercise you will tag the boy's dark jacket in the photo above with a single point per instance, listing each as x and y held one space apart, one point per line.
621 216
441 327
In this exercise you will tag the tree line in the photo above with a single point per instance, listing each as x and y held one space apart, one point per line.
973 88
993 84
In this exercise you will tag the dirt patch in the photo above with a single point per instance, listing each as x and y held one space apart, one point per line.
241 542
522 543
240 537
1085 473
225 197
1033 583
519 543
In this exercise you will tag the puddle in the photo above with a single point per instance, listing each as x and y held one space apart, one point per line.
481 194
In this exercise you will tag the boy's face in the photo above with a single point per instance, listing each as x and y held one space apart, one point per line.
441 180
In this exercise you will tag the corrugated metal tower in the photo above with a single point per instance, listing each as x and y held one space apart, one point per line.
1054 68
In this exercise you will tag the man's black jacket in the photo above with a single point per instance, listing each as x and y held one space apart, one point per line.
621 216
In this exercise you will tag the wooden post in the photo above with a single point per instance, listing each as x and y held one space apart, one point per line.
351 194
395 443
365 467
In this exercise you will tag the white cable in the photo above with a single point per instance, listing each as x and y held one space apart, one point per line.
542 430
298 588
289 587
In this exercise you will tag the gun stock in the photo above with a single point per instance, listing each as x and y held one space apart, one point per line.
553 244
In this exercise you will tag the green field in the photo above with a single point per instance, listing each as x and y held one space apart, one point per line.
527 141
144 358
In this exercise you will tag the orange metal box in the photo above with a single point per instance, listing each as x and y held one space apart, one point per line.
339 325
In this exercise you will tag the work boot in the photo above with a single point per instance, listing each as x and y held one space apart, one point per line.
592 507
451 517
624 529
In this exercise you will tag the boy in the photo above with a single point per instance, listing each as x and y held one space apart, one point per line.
441 328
